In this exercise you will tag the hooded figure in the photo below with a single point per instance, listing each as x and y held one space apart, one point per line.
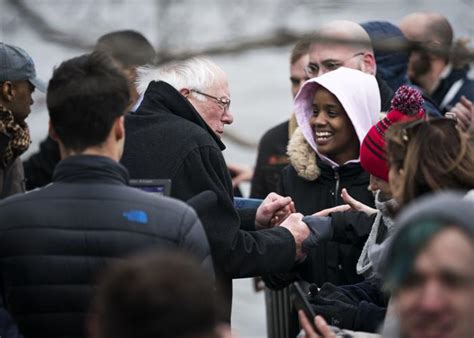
358 96
334 113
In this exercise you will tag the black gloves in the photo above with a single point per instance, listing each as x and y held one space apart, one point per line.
336 312
321 231
359 307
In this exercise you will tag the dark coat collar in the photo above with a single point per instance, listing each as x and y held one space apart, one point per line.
162 97
347 170
90 169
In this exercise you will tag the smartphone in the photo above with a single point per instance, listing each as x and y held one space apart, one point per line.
300 302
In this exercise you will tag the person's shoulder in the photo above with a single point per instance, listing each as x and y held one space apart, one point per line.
289 172
16 202
171 128
164 202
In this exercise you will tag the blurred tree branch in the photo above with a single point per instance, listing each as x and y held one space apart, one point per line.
45 30
277 37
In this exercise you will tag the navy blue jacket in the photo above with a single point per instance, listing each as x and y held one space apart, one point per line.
55 240
461 84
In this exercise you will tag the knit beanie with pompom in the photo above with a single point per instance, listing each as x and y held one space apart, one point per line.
406 105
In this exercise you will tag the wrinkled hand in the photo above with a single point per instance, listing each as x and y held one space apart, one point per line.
273 210
463 112
300 231
320 323
282 214
355 204
240 173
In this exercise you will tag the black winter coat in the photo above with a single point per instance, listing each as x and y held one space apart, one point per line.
54 241
167 138
333 261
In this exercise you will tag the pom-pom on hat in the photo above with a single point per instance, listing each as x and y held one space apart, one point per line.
406 105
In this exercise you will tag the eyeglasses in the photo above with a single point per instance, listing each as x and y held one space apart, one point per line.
223 101
312 69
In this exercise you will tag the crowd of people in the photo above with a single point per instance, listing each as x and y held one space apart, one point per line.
364 191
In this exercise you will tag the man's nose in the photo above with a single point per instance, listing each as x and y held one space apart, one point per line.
228 117
322 70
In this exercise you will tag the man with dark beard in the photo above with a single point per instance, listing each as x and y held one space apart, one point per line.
439 74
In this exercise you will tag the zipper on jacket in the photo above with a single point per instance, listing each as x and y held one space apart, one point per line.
336 191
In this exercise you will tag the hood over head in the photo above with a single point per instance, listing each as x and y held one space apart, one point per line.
358 94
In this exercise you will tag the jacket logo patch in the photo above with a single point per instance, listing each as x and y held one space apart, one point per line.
137 216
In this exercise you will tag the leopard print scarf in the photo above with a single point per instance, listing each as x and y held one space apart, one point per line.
18 133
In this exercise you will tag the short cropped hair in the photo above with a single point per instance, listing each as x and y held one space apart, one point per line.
85 96
128 47
160 295
197 73
300 49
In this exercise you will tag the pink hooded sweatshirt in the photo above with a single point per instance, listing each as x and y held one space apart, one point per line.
358 94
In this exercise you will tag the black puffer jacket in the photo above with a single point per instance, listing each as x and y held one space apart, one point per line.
54 241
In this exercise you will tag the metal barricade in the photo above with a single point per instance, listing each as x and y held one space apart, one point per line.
282 319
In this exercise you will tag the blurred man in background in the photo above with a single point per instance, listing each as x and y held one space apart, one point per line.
18 81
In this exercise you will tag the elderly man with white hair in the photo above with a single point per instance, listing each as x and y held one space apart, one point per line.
176 134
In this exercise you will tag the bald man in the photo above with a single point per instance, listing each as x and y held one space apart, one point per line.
440 76
325 56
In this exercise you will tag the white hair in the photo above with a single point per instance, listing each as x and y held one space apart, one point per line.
198 73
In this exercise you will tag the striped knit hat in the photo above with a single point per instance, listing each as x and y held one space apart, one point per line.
407 105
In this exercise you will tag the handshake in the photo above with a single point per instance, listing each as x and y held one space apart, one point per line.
307 231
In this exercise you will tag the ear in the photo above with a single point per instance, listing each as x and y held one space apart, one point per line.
52 133
369 65
8 91
185 92
119 128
